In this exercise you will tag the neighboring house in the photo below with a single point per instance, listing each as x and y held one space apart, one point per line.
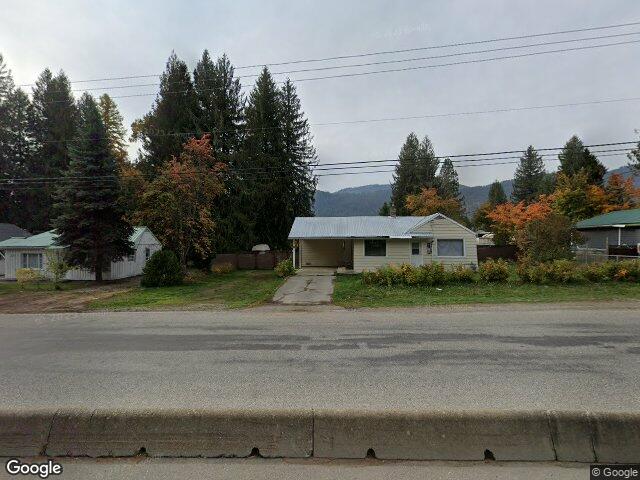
614 228
30 252
8 230
366 243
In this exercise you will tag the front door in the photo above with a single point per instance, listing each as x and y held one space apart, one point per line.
416 253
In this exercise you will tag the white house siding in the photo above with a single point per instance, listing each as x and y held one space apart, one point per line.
449 230
121 269
398 251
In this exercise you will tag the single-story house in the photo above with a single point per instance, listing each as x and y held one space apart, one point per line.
30 252
366 243
8 230
621 227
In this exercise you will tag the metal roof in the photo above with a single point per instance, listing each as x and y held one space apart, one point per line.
48 240
8 230
629 218
356 227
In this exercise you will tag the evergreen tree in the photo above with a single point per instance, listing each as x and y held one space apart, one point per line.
385 210
496 194
265 162
634 157
89 219
221 105
16 148
529 177
172 120
448 184
221 102
575 157
114 124
53 125
299 153
416 169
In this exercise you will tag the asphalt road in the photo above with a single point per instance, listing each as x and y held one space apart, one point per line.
256 468
510 357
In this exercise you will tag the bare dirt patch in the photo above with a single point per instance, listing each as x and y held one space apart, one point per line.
62 301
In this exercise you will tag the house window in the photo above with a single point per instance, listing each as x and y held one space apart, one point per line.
147 253
132 257
415 248
375 248
32 260
451 248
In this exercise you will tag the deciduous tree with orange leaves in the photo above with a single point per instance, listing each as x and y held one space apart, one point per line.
508 218
428 202
177 204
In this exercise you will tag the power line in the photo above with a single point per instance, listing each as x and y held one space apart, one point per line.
384 62
384 52
404 69
388 119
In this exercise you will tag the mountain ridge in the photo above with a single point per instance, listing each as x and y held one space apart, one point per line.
367 199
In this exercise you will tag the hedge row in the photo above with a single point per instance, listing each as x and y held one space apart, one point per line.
499 271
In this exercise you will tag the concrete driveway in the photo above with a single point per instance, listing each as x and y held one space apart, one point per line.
310 286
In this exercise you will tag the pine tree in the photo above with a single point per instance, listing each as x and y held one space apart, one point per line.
114 124
448 183
221 102
575 157
172 121
385 210
89 219
529 177
496 194
416 169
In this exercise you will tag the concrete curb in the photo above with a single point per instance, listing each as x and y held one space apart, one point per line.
402 435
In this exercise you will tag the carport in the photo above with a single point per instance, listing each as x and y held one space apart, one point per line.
324 253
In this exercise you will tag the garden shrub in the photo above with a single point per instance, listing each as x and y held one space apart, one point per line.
563 271
627 270
223 268
163 269
431 274
596 272
28 275
494 271
285 268
461 274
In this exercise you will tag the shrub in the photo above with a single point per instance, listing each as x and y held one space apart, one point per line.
222 268
285 268
495 271
563 271
57 266
531 272
461 274
627 270
548 238
162 270
596 272
28 275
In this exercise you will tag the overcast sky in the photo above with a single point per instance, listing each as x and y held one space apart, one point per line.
93 39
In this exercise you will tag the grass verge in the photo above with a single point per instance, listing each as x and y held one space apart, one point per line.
350 292
233 290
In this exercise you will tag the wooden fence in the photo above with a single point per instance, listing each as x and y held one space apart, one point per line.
252 260
507 252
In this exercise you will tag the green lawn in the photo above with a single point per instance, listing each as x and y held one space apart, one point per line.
234 290
350 292
13 287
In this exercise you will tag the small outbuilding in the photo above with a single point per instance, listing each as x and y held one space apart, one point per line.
367 243
9 230
30 252
619 228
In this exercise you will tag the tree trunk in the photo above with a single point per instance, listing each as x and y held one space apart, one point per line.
98 268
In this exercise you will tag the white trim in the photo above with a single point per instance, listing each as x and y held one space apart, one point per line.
464 248
434 217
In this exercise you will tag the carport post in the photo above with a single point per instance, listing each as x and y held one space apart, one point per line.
294 255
